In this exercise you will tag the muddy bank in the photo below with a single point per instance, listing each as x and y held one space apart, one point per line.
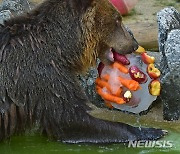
153 118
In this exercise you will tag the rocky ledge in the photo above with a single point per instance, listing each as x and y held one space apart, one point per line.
169 46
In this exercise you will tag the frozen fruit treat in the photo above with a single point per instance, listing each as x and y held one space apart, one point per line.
130 83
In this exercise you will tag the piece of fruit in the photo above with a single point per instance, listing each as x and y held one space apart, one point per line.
147 59
120 58
108 104
105 77
140 50
153 72
127 96
137 75
100 68
118 92
103 84
120 67
110 97
155 88
130 84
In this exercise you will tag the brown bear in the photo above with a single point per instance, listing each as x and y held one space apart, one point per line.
42 52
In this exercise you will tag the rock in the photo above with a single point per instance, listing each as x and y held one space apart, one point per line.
169 46
88 83
4 15
16 7
8 8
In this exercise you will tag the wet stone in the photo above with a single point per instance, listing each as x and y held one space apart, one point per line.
88 83
169 45
16 7
4 15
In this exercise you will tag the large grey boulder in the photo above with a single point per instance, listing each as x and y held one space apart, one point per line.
4 15
88 83
9 8
169 46
15 6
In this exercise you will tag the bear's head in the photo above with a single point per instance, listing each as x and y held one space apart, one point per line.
105 30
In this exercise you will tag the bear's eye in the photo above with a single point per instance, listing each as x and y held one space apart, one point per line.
118 19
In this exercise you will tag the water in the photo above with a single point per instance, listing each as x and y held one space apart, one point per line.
36 144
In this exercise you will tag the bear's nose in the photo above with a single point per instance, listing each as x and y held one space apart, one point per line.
136 46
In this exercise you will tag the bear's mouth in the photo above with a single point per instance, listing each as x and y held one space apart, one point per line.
111 56
125 51
108 56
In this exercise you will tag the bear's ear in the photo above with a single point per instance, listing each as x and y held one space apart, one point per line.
80 5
